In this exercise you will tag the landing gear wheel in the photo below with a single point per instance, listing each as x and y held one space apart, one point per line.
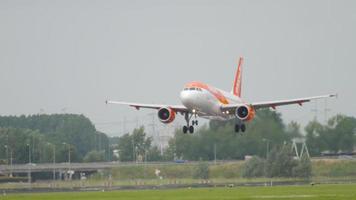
237 128
243 127
185 129
191 129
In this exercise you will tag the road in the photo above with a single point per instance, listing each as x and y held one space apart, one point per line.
49 167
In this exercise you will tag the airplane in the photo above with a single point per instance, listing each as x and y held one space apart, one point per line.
202 100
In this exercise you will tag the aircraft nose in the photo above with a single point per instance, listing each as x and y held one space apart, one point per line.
184 96
188 98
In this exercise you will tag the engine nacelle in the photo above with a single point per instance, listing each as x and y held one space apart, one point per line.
245 113
166 115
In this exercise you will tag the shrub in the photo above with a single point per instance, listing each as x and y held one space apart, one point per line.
202 171
280 162
253 168
94 156
303 169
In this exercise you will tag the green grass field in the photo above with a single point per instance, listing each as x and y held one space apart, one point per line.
332 192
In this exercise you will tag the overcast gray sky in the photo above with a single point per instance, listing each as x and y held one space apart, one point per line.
75 54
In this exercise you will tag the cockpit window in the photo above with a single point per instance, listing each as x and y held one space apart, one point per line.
193 88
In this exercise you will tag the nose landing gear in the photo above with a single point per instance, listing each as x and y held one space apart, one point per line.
188 127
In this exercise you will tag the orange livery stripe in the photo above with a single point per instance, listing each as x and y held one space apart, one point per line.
219 96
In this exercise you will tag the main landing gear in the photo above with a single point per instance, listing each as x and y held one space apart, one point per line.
188 127
240 126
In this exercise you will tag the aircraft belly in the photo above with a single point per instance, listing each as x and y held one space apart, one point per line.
209 108
205 104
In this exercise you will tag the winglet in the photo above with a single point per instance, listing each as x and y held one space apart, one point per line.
334 95
236 90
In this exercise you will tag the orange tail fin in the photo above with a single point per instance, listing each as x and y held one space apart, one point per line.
236 90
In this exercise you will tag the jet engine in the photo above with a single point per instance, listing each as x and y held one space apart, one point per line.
245 113
166 115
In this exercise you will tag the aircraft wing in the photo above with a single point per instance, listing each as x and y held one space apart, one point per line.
300 101
274 104
177 108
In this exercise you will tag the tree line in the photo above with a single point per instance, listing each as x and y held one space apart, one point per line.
43 138
218 139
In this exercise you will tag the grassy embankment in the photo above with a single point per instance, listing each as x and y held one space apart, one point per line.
330 168
324 171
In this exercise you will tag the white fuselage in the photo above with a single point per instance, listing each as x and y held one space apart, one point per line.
206 103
